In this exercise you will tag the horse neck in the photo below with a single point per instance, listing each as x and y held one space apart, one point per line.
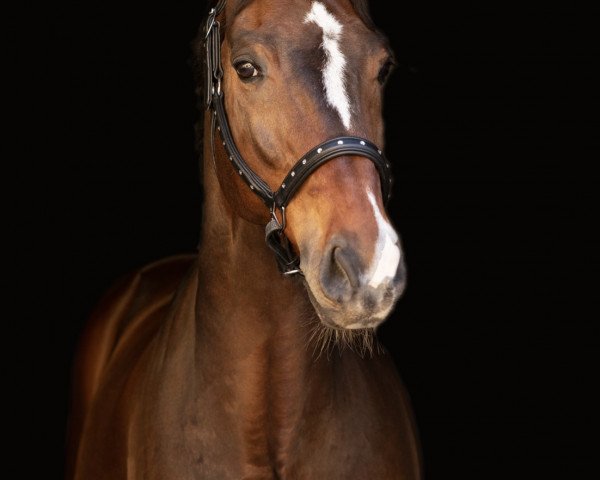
252 325
245 306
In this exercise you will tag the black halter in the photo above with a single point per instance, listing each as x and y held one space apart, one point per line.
287 261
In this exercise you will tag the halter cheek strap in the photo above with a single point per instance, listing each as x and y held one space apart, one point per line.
288 262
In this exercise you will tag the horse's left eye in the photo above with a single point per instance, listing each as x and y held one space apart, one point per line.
385 71
246 70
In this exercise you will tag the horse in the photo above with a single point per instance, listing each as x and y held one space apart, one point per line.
257 357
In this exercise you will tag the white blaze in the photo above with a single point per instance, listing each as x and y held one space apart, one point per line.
335 62
387 253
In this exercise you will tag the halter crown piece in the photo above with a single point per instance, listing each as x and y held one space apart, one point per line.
287 260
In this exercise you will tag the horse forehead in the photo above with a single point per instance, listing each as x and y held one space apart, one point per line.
290 28
285 19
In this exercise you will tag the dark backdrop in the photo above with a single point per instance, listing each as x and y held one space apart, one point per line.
490 125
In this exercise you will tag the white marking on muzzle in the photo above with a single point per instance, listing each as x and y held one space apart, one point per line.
387 253
335 63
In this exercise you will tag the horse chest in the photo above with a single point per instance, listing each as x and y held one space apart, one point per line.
350 441
318 456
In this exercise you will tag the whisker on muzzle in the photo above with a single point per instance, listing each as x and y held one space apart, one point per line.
326 340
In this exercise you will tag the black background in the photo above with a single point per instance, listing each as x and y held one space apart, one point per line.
492 127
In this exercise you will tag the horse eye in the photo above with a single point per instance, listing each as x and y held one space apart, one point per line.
246 70
385 71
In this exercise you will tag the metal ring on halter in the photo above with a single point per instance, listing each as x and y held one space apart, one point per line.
293 272
281 224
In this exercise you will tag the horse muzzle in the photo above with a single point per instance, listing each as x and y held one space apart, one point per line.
348 293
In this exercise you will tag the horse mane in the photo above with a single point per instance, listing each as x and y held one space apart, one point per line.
198 61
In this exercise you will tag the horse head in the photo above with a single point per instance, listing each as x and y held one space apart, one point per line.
295 74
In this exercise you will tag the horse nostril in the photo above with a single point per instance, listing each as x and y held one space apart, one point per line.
339 274
346 265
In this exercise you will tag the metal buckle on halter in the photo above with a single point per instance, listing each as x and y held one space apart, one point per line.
212 15
212 41
210 21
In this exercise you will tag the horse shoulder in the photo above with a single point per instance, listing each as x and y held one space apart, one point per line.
126 318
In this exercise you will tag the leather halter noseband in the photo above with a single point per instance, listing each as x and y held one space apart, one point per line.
288 262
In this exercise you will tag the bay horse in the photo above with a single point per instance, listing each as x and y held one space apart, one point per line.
254 359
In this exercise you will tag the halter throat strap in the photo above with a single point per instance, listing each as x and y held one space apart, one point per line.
287 261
